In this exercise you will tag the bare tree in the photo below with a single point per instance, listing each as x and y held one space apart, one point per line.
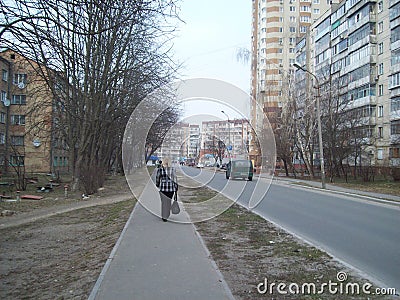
105 57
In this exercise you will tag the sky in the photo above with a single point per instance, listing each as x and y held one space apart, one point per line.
207 44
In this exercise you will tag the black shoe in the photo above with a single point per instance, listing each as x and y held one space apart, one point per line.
164 220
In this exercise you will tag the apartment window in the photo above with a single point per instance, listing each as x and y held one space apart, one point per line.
19 78
380 6
3 96
303 29
380 90
316 11
395 127
305 19
394 80
380 69
17 160
2 117
2 138
394 152
292 19
281 9
18 119
5 75
305 8
357 18
263 40
280 40
280 50
281 19
380 48
380 153
264 30
380 111
380 132
17 140
316 1
292 8
280 29
292 61
292 29
18 99
380 27
395 104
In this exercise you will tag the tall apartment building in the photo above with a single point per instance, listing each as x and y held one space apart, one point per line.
356 45
277 24
27 137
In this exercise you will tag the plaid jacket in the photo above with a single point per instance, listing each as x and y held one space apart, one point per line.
166 180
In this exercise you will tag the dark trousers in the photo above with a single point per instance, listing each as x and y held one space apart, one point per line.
166 198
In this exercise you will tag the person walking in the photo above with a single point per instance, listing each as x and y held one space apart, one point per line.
166 180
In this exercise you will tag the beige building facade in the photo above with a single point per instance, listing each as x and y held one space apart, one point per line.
357 44
26 118
277 24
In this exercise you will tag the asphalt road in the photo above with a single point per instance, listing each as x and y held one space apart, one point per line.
361 233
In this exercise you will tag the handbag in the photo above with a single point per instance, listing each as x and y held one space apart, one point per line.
175 209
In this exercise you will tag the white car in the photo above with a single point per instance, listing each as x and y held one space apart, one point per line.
200 165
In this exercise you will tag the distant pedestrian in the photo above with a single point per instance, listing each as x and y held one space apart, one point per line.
166 180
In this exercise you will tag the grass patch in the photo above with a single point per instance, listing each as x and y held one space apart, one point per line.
377 186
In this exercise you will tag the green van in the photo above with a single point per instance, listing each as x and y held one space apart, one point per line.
239 169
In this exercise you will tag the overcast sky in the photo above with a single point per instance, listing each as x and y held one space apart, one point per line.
208 41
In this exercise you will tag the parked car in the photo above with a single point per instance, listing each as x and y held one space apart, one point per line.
239 169
200 165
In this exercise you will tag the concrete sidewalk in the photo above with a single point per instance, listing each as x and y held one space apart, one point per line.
157 260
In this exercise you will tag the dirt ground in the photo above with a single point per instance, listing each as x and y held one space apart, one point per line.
56 254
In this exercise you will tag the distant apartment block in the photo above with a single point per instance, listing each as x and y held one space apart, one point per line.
234 136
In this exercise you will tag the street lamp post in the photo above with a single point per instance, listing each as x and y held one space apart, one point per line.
321 146
229 131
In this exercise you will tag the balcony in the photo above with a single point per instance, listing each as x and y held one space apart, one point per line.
394 23
369 100
339 56
395 45
359 5
395 92
395 68
365 60
393 2
362 22
366 80
371 39
395 115
395 138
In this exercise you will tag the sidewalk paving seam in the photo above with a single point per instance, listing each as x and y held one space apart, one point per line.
99 281
214 264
